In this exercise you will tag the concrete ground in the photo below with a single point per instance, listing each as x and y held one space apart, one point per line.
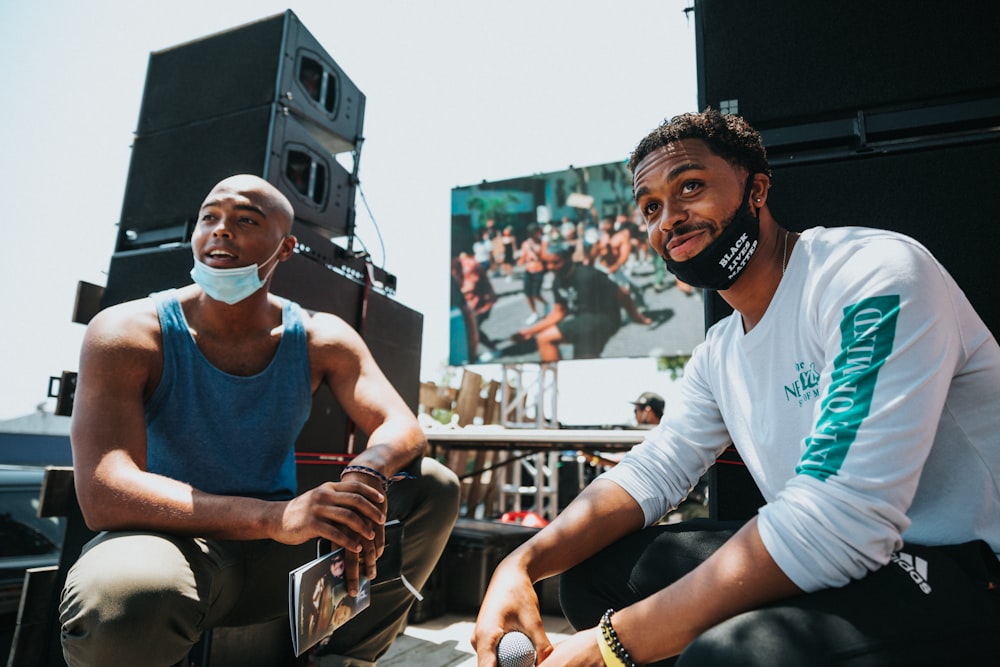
444 642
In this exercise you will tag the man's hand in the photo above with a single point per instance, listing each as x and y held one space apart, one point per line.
370 552
521 336
372 548
510 604
350 514
578 650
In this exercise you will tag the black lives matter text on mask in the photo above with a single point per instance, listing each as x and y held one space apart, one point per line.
738 256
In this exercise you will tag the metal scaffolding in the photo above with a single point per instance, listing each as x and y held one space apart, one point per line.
529 399
527 390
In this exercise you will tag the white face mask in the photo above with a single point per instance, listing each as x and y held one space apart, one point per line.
232 285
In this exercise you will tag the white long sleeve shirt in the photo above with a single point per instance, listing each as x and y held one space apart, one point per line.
865 404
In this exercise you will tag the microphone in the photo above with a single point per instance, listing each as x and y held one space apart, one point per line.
515 650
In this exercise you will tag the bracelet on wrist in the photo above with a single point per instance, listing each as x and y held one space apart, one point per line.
607 653
610 643
384 481
371 472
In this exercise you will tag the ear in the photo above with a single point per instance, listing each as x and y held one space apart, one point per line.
759 189
287 248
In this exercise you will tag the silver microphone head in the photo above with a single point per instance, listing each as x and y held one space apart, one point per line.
515 650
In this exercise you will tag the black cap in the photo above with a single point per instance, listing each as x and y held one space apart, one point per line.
561 248
652 400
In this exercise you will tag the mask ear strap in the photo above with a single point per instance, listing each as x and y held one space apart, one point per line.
273 255
755 212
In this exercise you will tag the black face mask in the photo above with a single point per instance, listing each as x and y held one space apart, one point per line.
721 262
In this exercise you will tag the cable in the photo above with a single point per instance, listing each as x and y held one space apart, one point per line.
378 232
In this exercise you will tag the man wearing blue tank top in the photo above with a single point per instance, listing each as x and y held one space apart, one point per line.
187 409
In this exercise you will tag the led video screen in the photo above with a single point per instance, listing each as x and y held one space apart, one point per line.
556 266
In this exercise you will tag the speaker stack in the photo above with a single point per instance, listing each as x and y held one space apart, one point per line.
266 99
873 114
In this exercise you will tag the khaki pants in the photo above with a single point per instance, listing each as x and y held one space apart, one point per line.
140 598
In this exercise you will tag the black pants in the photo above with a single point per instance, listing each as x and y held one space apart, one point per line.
929 606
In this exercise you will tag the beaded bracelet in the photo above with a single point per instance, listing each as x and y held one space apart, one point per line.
371 472
607 653
386 482
611 640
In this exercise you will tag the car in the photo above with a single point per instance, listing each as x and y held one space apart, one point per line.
26 540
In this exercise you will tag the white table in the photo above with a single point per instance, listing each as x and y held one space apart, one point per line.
542 446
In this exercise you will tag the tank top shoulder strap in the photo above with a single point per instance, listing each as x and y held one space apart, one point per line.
293 318
174 334
168 308
295 344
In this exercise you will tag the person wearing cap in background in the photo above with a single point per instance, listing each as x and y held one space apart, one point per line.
648 409
648 412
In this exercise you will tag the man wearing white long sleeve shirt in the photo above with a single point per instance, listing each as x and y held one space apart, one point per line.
860 388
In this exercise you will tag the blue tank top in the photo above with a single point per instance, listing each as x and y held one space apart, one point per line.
228 434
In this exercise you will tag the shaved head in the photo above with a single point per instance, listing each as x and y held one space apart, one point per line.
260 194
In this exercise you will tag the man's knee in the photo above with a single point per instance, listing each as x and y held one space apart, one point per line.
759 638
593 586
434 496
127 618
549 336
125 599
442 486
428 507
578 599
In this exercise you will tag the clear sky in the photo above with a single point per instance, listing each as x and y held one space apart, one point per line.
458 91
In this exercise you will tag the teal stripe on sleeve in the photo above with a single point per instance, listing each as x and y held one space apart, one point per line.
867 331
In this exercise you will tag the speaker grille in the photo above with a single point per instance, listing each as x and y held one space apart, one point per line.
272 60
782 62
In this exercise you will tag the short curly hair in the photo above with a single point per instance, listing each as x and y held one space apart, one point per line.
728 136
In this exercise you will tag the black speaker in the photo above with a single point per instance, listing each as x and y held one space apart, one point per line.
171 172
943 196
264 98
786 62
135 274
392 331
272 60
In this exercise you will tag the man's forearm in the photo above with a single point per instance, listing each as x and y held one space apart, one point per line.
392 450
600 515
740 576
138 500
